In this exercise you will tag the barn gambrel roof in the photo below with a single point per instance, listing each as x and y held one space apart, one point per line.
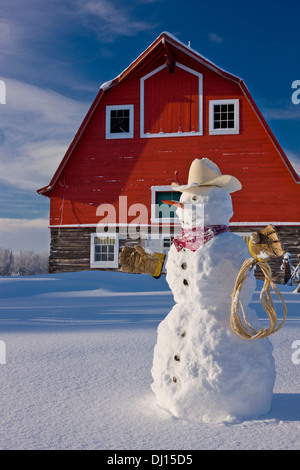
163 41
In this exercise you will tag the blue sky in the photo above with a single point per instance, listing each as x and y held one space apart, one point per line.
55 54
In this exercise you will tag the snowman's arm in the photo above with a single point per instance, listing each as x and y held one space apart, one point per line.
137 261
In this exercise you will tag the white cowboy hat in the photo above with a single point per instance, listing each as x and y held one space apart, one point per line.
204 172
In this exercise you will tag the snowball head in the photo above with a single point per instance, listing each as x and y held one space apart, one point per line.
205 205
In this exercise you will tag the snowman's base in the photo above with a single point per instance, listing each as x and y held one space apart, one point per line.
216 416
203 371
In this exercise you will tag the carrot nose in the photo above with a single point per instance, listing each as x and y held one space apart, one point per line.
174 203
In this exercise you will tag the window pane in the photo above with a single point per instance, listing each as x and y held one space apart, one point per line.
104 249
119 125
163 210
104 240
217 108
225 119
166 195
167 242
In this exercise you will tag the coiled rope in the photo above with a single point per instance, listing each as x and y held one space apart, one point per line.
244 329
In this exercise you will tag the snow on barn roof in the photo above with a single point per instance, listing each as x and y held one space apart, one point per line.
162 38
166 36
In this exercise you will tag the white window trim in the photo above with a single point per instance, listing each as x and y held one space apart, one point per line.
235 129
104 264
119 135
154 219
142 104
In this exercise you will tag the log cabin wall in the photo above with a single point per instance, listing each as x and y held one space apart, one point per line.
70 249
290 238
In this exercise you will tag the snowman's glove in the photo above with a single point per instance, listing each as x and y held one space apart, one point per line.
136 260
265 244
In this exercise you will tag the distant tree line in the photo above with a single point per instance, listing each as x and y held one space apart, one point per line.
24 263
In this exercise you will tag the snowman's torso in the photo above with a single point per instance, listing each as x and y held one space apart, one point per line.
206 277
202 370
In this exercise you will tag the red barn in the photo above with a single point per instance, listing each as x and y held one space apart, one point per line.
143 130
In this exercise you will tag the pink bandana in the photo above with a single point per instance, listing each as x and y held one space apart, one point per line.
194 238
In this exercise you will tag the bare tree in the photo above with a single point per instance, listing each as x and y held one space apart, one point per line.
24 263
6 261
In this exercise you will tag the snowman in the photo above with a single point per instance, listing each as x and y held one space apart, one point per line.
202 370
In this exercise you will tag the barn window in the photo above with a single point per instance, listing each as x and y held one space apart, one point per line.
119 122
160 211
104 250
167 242
224 117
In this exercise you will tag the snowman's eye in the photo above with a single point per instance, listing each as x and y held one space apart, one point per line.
194 198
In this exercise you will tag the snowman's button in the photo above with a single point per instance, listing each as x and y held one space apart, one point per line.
174 379
185 282
177 358
184 265
183 334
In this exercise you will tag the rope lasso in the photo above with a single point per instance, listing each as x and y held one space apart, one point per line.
244 329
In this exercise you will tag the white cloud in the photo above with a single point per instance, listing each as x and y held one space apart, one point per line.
213 37
12 225
287 112
294 160
7 37
36 127
110 19
24 234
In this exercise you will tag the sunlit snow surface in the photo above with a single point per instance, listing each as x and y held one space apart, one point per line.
79 352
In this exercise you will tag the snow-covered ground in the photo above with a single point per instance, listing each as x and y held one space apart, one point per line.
79 350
